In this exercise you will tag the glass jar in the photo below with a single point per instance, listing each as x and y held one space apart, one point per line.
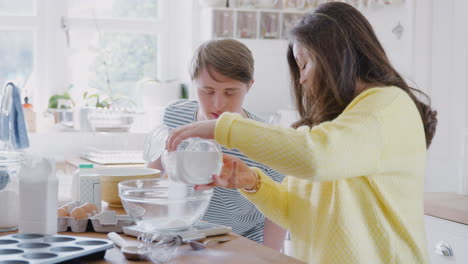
194 161
9 190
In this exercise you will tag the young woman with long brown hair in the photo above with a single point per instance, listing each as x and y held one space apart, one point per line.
356 158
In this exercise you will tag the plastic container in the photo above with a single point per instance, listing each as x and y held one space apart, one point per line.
9 190
83 169
86 185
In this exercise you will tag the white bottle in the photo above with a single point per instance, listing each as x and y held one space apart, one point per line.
38 195
83 169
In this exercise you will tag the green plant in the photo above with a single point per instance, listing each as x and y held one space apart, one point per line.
96 100
54 101
105 101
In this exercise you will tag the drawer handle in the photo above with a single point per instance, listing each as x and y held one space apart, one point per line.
443 249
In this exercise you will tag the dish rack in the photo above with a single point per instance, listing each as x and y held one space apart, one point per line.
111 119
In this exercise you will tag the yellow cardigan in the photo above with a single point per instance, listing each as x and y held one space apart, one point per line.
355 190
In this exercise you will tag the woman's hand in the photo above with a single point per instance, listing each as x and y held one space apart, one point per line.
235 175
202 129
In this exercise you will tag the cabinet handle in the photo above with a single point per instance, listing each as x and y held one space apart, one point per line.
443 249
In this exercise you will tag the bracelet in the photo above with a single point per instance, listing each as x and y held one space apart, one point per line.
257 184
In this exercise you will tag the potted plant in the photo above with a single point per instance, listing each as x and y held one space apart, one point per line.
61 107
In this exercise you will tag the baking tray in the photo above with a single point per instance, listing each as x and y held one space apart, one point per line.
42 249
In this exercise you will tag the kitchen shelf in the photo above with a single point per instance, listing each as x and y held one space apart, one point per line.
247 23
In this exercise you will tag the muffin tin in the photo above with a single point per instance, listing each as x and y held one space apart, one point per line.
41 248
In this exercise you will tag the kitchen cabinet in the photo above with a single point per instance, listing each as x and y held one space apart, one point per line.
447 241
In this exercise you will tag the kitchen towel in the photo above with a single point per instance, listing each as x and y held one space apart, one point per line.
13 126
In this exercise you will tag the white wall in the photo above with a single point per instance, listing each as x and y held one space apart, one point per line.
431 55
440 63
271 90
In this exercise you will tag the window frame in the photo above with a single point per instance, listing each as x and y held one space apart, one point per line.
50 60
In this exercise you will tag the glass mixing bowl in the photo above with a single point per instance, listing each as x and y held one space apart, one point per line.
157 206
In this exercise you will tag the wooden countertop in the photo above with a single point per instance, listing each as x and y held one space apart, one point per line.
238 250
449 206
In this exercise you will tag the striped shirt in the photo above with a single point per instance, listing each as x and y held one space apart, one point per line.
227 206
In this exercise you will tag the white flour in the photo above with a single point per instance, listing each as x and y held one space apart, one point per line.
8 209
177 191
196 167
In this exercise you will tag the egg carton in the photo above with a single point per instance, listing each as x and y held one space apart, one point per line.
103 222
77 226
45 249
108 221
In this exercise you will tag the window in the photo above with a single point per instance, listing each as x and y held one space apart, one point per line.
112 44
105 46
16 51
17 43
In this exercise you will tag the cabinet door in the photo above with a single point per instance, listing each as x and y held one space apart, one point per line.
443 235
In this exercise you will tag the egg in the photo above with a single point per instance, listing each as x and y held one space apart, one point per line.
78 213
62 212
71 205
66 208
90 208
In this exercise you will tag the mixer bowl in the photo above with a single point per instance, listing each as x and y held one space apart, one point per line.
157 206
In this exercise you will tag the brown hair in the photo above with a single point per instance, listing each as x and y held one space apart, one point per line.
345 49
228 57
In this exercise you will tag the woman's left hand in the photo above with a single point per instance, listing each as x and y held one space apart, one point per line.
202 129
235 175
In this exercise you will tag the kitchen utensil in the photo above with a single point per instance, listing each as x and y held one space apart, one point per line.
199 230
159 252
130 252
42 248
156 207
195 245
165 248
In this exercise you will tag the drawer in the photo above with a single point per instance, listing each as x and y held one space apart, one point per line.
444 234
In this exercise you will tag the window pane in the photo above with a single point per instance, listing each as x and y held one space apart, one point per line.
113 8
16 51
17 7
111 65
